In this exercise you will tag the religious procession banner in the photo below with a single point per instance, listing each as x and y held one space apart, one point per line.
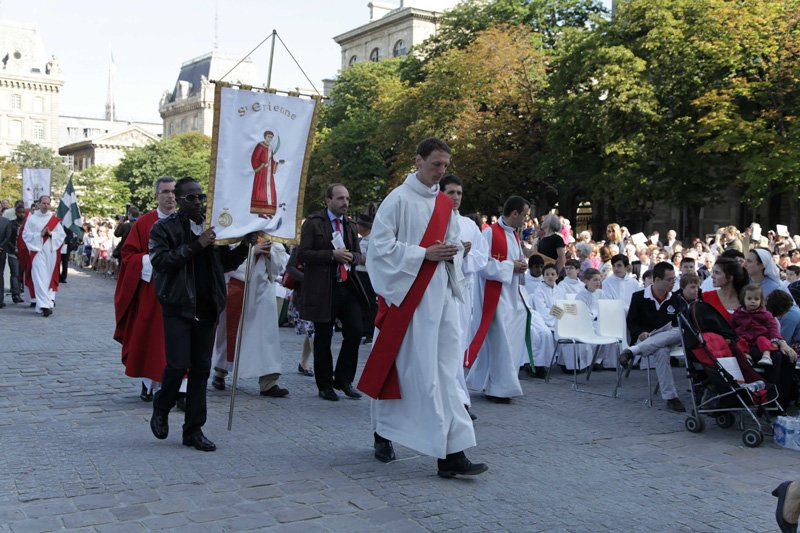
35 184
260 150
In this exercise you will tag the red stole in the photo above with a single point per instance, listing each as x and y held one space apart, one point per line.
379 378
491 296
51 225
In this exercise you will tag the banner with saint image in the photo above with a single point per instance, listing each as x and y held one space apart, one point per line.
35 184
259 159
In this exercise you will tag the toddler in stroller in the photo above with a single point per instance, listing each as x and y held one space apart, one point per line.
723 382
756 327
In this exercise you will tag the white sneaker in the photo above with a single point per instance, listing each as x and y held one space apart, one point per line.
765 361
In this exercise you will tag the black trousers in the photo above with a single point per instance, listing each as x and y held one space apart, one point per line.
347 309
64 267
2 277
369 317
188 344
13 267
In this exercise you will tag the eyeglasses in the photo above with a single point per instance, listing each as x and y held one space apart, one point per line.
191 198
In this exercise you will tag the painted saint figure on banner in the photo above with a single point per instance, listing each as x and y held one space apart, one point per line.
263 200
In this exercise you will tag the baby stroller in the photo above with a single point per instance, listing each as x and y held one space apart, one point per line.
708 342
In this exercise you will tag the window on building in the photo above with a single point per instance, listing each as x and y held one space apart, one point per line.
172 128
196 122
374 55
353 59
15 129
399 48
16 101
38 131
184 124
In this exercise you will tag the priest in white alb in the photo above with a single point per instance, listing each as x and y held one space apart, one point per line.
44 235
260 347
501 313
476 255
414 263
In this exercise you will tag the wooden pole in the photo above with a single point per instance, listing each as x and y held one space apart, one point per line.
239 335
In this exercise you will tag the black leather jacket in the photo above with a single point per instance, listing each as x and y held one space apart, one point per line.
172 250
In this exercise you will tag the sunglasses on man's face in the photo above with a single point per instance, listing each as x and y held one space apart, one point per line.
191 198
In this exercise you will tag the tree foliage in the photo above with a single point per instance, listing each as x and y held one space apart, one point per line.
32 155
99 192
187 154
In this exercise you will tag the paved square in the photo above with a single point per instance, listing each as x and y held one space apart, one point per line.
76 452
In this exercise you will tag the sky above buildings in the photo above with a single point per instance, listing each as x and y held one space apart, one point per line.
150 39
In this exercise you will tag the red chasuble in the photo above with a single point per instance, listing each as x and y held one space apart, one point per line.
491 296
263 197
140 326
379 378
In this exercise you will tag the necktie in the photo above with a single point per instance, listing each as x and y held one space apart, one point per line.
342 269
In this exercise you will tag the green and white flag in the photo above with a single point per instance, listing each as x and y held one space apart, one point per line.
69 212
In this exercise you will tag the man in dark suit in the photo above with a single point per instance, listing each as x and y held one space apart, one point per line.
331 290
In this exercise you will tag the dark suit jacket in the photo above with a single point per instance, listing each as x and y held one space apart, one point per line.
315 252
644 316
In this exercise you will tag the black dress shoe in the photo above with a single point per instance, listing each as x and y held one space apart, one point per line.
497 399
16 300
47 312
457 464
218 382
471 416
199 441
349 391
159 425
2 305
305 371
145 395
329 394
275 392
33 304
384 451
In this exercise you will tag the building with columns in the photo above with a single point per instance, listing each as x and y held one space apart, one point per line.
189 106
30 86
392 30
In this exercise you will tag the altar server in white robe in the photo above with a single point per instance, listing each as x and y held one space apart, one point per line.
44 235
542 341
496 367
620 285
260 348
591 294
423 410
568 289
476 255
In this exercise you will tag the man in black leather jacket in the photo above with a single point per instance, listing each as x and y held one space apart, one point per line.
188 272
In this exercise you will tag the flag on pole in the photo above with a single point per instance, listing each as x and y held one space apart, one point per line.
69 212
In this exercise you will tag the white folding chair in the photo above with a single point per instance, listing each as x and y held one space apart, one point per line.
611 323
576 327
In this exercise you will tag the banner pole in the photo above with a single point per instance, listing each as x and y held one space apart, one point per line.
271 57
239 335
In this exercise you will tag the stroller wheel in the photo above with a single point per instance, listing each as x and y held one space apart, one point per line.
694 424
725 420
752 438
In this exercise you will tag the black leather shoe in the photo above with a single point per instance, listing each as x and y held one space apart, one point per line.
625 357
305 371
675 405
471 416
457 464
218 382
159 425
384 451
329 394
275 392
145 395
497 399
2 305
16 300
199 441
349 391
47 312
33 304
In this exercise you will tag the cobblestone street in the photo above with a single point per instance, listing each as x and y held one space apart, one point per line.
76 452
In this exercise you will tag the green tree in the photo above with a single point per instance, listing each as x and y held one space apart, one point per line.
10 180
99 193
346 148
187 154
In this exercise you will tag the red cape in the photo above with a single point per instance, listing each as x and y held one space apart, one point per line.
140 325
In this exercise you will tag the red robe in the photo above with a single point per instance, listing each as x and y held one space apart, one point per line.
263 198
140 326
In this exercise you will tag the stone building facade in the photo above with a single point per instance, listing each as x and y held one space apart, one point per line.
392 30
106 148
189 106
30 86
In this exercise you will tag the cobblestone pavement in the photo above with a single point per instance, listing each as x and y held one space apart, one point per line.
76 452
